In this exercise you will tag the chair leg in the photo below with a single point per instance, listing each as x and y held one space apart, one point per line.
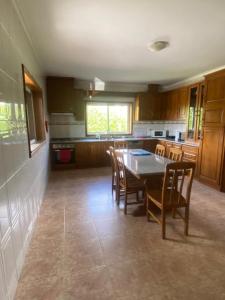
113 179
147 208
163 224
125 203
186 218
118 196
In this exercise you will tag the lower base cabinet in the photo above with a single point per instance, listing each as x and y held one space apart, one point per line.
92 154
212 157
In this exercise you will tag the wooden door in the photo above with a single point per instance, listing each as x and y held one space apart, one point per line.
212 155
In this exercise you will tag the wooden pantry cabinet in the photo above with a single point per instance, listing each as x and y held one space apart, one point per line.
212 164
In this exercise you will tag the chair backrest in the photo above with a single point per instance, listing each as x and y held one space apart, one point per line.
112 158
177 183
121 167
175 154
120 144
160 150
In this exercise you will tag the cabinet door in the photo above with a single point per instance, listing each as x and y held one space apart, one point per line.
190 154
172 105
215 85
59 94
78 104
83 157
150 145
192 112
182 103
148 106
164 105
211 155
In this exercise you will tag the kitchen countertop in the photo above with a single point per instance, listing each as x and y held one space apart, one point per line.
90 140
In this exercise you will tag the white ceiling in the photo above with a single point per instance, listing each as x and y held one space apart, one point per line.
108 39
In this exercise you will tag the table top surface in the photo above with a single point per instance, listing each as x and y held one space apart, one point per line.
144 165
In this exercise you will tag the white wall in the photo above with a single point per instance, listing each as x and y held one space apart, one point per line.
22 180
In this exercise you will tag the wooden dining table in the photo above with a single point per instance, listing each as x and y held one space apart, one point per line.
144 166
150 167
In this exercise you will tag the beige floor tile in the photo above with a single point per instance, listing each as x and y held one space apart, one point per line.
85 248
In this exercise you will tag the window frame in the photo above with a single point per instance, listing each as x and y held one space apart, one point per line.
29 83
108 103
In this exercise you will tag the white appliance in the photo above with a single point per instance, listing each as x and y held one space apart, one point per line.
158 133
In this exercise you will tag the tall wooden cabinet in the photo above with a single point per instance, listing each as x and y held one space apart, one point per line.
213 132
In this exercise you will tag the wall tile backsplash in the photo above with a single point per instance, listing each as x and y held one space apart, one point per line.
22 180
65 126
141 128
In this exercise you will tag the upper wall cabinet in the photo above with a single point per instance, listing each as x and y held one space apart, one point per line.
147 105
174 104
214 114
62 97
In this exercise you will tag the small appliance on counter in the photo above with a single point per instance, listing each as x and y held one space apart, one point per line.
179 136
157 133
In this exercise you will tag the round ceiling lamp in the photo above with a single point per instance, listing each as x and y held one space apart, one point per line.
158 46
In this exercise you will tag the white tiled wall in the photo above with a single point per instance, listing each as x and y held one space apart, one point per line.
65 126
22 180
141 128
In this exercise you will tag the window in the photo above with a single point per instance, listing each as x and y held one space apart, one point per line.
108 118
34 112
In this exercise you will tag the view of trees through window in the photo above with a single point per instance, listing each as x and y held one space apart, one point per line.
108 118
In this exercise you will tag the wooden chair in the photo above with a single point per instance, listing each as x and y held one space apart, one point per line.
175 154
120 144
160 150
127 183
175 193
113 164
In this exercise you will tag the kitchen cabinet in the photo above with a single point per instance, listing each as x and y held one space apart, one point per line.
212 165
212 152
150 145
62 97
195 111
182 103
191 154
148 105
92 154
174 104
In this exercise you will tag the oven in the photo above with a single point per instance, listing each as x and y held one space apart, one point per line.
63 155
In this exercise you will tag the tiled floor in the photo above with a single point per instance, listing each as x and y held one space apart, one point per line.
85 248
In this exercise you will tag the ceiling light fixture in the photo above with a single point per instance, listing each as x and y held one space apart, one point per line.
158 46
